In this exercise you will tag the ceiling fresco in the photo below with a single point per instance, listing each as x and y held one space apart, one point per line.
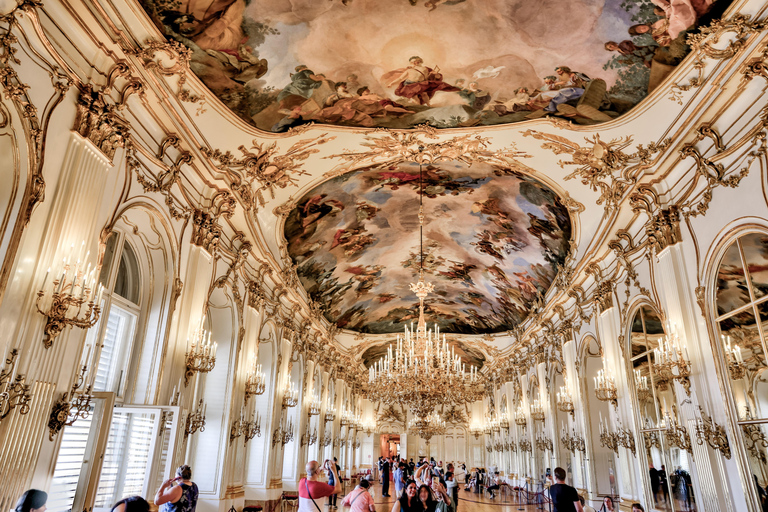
401 63
493 241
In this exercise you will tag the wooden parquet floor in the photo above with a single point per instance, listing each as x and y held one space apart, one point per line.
468 502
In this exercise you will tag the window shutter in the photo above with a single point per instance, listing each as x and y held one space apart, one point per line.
69 465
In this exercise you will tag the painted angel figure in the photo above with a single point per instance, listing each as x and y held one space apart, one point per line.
417 81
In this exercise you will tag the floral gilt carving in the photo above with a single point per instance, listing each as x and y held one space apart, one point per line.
603 166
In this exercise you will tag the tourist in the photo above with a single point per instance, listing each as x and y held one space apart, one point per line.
131 504
584 506
636 507
311 489
385 473
452 487
399 478
427 502
493 484
607 505
360 500
178 494
564 497
655 482
332 483
444 501
409 500
32 501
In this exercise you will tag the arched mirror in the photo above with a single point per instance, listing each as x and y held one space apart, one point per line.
600 413
741 303
667 447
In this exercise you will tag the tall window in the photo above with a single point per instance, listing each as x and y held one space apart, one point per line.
110 454
668 477
742 327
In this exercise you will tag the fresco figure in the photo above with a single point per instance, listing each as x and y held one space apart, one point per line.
303 83
573 84
418 82
634 53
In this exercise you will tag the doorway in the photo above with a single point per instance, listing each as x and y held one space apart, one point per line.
390 445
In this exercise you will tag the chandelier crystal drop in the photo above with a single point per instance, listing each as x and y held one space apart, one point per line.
422 371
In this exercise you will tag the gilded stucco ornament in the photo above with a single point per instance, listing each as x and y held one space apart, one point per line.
205 231
603 166
395 147
263 168
704 44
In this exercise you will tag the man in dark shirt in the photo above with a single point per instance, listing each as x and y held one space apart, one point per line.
655 481
385 478
564 497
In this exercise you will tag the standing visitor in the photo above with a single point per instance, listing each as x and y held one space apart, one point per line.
311 489
564 497
385 469
360 500
399 478
655 480
332 483
607 504
178 494
452 487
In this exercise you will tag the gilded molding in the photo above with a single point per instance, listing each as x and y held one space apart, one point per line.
205 231
704 44
263 169
603 166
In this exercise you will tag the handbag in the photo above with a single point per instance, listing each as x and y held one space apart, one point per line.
310 495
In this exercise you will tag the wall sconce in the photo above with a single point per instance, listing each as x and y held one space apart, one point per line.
476 431
196 419
605 387
283 434
675 434
525 446
72 288
330 412
537 411
255 381
564 401
644 394
543 443
668 358
520 419
252 428
736 365
290 395
572 441
76 402
314 407
714 434
201 357
15 392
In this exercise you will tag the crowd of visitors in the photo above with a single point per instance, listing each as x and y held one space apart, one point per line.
423 486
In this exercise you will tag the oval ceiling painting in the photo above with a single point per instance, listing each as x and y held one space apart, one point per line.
493 241
401 63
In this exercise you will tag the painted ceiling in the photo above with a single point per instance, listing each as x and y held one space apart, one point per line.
493 241
282 63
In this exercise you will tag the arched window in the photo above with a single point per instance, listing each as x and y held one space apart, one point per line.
741 303
120 313
669 466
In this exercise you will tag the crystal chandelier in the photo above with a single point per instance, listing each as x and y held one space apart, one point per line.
422 371
427 426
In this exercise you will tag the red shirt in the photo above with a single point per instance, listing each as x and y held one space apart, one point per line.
318 490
